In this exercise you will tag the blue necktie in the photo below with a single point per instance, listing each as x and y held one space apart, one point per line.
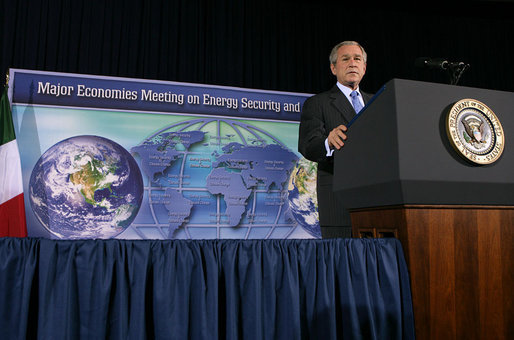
355 101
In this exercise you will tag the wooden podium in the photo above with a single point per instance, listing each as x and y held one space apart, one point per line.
399 176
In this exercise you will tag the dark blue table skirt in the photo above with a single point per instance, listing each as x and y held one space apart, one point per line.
212 289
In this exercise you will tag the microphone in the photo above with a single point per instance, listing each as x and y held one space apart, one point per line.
454 69
439 63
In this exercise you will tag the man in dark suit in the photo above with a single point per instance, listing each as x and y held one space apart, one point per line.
323 126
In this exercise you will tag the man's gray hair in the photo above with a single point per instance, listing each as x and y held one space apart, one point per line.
333 53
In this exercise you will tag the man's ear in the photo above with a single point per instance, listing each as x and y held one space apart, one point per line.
333 69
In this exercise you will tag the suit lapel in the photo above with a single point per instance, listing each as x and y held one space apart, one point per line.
366 97
341 104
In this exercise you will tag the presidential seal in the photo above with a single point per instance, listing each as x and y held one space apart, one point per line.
475 132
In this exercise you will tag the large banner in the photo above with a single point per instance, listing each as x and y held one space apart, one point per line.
106 157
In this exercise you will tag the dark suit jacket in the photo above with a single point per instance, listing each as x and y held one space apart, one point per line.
320 114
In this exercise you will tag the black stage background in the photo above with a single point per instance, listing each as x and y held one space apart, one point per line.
264 44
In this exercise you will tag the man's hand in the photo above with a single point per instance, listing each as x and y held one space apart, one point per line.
336 137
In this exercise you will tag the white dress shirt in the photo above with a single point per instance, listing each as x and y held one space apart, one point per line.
346 91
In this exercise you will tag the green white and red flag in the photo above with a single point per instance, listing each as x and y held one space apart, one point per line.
12 208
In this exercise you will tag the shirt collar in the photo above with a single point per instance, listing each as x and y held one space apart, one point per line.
346 90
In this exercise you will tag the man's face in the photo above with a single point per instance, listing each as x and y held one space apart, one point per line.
350 66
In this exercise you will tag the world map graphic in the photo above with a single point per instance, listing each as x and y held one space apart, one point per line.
221 178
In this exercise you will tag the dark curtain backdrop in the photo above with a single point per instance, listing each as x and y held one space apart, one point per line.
266 44
226 289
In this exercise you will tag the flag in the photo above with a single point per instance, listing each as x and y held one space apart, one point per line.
12 208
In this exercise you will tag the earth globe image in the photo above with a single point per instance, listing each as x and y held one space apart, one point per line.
86 187
215 178
303 200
